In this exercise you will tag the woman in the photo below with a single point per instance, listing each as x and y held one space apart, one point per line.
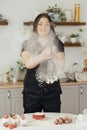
43 56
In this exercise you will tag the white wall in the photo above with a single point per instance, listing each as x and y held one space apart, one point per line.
18 11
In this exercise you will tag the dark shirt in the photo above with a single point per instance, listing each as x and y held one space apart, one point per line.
30 81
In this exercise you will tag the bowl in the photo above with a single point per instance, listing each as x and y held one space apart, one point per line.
81 76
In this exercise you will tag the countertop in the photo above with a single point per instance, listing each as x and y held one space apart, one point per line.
19 84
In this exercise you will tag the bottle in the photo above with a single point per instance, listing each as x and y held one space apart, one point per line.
77 13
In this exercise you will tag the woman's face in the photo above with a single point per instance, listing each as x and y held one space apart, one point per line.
43 27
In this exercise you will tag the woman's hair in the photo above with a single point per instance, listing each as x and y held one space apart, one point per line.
35 24
36 21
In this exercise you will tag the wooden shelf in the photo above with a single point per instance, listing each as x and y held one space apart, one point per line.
70 23
3 22
72 44
28 23
60 23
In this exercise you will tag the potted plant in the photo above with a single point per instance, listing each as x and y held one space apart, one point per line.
10 74
56 13
21 69
74 37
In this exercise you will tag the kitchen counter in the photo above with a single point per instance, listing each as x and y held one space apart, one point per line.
19 84
73 83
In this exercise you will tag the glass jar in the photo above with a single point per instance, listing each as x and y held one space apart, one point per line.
69 15
77 13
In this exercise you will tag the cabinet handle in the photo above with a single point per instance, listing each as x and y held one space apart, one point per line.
8 93
81 90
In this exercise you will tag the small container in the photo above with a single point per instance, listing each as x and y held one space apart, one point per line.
5 80
77 13
69 15
73 39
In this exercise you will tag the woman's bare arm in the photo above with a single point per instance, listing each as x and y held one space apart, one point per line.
59 59
61 56
32 61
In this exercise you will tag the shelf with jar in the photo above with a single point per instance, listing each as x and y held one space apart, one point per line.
30 23
63 17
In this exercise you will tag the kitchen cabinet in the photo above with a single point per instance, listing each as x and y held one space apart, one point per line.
4 102
74 98
16 101
11 101
69 99
82 97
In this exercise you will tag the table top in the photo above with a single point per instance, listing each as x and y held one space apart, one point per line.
48 123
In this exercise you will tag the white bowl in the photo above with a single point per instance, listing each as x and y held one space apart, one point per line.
81 76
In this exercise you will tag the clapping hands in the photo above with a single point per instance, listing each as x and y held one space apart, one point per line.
47 54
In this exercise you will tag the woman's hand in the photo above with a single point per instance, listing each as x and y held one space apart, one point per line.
46 54
32 61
